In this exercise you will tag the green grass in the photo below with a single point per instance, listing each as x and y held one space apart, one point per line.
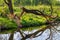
7 23
29 21
23 29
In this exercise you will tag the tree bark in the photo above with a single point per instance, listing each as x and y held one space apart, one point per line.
10 6
9 3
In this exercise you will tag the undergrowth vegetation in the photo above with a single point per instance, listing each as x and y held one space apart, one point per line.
28 19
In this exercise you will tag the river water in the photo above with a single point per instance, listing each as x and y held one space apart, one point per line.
17 36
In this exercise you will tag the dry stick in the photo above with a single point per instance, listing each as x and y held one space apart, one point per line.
21 14
40 34
42 14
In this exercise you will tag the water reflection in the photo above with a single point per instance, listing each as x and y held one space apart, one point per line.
17 36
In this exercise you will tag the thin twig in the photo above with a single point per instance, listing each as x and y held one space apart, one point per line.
39 34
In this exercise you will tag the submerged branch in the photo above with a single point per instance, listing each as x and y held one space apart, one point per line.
35 33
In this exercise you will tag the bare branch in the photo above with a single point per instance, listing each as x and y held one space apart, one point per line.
56 29
21 13
35 33
6 2
11 36
18 30
39 34
50 36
